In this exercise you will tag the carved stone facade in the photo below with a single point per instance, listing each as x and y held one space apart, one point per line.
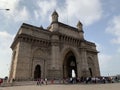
53 52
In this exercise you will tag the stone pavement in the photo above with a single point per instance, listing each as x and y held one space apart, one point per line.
112 86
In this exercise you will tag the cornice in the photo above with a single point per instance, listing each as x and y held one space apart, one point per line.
30 39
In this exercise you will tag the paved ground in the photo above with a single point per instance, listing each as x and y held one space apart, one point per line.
113 86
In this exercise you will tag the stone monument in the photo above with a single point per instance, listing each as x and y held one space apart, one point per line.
54 52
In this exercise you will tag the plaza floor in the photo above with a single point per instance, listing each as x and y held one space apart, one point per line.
112 86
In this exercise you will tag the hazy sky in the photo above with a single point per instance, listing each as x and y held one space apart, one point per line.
101 20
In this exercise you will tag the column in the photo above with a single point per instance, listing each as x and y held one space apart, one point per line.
85 71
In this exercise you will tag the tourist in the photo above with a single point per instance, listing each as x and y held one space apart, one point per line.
52 81
1 81
42 81
46 81
103 79
38 81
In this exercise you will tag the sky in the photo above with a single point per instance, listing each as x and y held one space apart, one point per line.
100 18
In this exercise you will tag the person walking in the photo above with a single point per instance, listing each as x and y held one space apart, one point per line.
46 81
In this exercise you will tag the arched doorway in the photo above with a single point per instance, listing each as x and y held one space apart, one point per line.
37 72
69 66
90 71
90 66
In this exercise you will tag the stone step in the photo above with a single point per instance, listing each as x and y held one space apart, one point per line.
22 83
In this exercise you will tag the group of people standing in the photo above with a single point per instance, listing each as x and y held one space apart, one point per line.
90 80
41 81
83 80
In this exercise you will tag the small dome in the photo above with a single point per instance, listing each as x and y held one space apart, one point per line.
79 24
41 27
55 13
54 16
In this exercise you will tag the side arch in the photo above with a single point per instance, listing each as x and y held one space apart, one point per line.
91 66
39 57
37 72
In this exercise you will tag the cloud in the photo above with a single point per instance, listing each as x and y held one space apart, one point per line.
44 7
11 4
36 13
16 14
22 15
104 59
109 61
109 64
84 10
47 5
5 52
5 39
72 10
114 29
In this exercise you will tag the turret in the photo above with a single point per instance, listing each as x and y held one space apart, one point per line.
55 16
41 27
79 26
54 24
80 29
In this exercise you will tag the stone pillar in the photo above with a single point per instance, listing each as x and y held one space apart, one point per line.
12 67
22 64
55 65
79 64
97 69
85 71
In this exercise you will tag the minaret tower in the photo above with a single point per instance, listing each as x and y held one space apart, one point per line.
55 16
54 23
80 29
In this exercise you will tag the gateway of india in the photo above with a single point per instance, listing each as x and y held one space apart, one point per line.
53 53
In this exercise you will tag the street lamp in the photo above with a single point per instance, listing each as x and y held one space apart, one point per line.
5 9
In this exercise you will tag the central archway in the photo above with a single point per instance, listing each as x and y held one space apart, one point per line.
69 65
37 72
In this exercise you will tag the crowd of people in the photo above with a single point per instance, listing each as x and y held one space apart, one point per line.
41 81
82 80
89 80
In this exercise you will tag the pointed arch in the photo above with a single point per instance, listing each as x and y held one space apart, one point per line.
37 72
69 64
90 66
66 53
65 50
